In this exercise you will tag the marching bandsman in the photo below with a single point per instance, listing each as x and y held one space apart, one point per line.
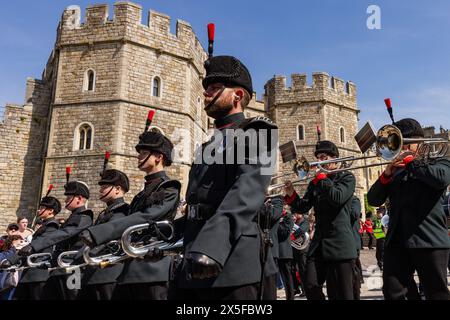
145 279
302 221
332 252
221 238
101 282
66 237
379 234
269 220
417 238
32 284
285 257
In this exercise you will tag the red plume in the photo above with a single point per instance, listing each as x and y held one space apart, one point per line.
150 116
105 162
211 30
50 188
387 101
67 174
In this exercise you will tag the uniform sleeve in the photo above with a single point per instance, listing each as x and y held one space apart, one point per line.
277 210
113 229
436 175
378 194
338 193
303 205
285 228
69 231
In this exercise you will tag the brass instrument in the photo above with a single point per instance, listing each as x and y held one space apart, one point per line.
388 143
302 242
140 249
115 256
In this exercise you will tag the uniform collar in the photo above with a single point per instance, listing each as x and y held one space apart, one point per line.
79 209
229 120
115 202
151 177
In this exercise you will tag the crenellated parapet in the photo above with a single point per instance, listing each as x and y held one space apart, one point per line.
322 88
125 26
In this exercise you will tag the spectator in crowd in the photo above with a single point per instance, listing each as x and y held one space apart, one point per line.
24 231
9 280
12 229
368 228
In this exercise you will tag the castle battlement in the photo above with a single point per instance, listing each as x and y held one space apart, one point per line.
323 87
125 26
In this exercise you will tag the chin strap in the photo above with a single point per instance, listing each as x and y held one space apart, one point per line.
215 98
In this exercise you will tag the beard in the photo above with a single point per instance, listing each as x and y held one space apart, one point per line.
220 108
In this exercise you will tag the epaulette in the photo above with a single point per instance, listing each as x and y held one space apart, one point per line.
89 213
170 184
259 122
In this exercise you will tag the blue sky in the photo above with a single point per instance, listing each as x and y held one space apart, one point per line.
407 60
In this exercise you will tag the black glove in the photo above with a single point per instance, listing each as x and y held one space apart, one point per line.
26 251
85 236
154 254
202 267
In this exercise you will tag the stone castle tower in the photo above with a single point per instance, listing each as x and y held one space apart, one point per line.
328 102
102 78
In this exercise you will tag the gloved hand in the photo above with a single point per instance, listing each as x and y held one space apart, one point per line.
154 254
85 236
202 267
26 251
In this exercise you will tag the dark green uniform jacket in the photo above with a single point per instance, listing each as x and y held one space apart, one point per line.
37 274
284 237
233 192
416 216
94 274
332 202
158 201
66 237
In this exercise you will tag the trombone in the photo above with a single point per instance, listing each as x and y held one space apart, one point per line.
388 143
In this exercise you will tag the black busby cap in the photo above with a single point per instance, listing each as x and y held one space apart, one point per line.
229 71
51 203
76 188
410 128
156 142
328 147
115 177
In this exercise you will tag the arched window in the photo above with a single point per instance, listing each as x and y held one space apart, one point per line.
89 80
342 134
156 87
85 135
300 132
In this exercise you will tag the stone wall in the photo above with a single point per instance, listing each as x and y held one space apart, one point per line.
22 140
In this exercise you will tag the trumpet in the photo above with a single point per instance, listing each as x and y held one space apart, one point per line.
116 256
140 249
32 263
